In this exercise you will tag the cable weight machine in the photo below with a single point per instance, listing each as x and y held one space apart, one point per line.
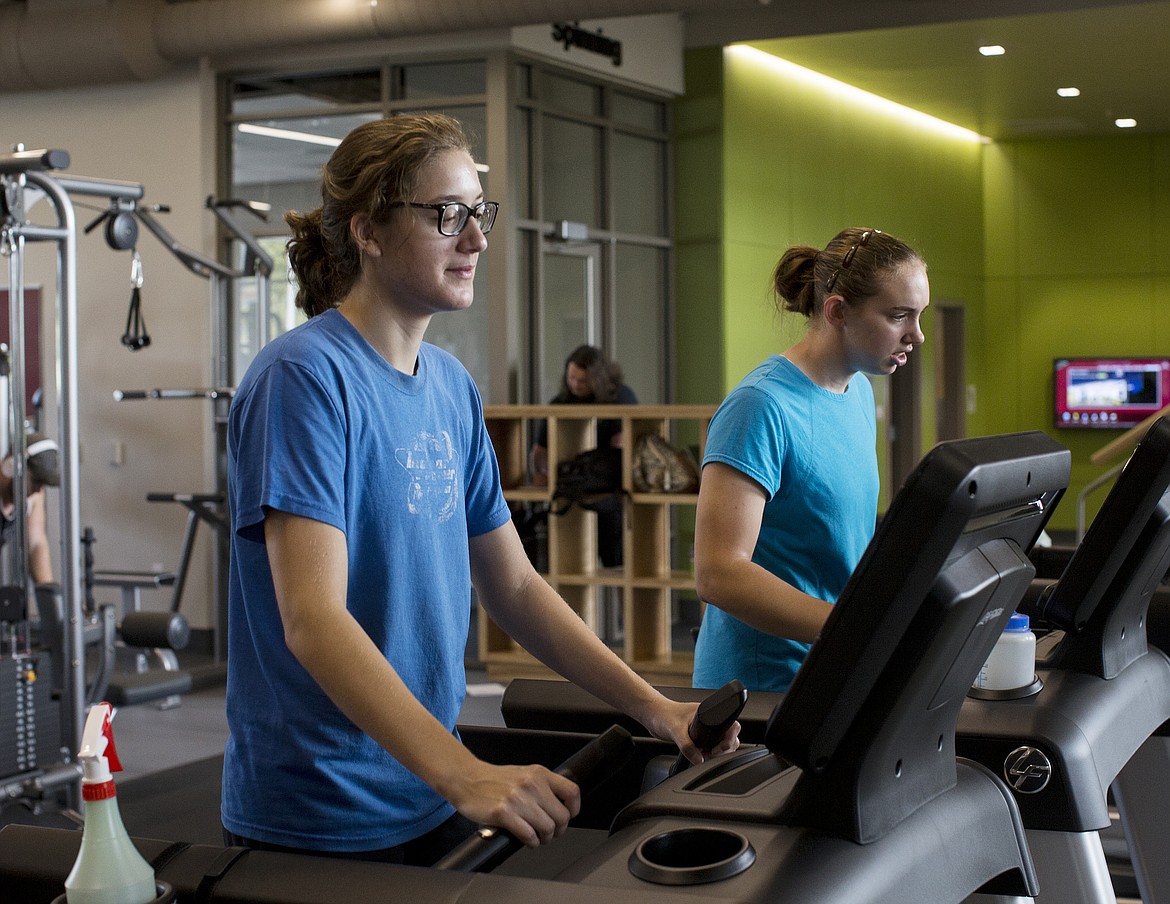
27 178
21 172
120 223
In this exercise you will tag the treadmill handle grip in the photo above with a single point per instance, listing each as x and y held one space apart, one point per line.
714 716
601 758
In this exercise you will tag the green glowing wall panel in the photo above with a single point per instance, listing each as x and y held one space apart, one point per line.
1053 247
798 163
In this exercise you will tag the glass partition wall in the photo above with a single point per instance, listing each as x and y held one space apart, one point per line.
581 251
592 191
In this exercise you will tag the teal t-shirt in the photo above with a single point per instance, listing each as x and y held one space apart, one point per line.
814 452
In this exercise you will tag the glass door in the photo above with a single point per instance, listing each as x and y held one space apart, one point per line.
571 311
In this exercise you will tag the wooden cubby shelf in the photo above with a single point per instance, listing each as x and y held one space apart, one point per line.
656 554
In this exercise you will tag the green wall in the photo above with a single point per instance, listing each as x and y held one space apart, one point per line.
1077 264
698 133
1054 247
765 162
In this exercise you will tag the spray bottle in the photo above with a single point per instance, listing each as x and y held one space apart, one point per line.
109 869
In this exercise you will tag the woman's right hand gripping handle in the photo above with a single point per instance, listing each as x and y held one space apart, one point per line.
714 716
580 773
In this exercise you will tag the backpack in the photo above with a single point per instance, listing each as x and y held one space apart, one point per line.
586 476
660 467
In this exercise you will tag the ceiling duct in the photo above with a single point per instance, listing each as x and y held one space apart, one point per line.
65 43
56 44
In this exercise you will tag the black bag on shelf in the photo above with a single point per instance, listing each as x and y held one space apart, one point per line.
531 520
593 480
588 479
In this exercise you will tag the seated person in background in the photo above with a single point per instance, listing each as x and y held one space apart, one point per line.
788 501
590 378
41 470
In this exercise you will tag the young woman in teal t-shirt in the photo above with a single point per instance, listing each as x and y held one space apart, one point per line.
788 501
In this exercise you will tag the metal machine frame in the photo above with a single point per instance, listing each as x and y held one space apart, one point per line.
29 174
258 264
19 171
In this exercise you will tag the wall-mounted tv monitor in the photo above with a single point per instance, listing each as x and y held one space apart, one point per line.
1108 393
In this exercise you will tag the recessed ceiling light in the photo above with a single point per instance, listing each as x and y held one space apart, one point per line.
992 50
1069 92
1125 123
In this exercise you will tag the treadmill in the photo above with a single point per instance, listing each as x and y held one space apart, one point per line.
1094 717
855 795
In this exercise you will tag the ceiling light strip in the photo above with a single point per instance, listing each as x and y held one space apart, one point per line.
786 69
249 128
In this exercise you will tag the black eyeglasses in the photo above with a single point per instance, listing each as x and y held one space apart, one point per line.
848 258
453 215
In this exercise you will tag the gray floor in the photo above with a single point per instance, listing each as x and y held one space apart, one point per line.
151 739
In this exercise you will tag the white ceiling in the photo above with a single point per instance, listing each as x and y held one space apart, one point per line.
1118 55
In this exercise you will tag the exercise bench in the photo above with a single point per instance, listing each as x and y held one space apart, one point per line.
161 633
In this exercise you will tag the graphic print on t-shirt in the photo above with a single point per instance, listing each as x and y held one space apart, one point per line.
433 471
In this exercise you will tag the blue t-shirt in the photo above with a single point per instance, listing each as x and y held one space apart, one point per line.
323 427
814 452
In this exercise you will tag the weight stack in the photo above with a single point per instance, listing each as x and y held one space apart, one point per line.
30 719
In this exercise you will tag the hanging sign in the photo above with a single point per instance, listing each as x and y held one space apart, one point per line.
570 34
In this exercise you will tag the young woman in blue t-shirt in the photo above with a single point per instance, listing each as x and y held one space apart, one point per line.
366 505
788 501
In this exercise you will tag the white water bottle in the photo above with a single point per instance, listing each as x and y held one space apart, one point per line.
1012 663
108 869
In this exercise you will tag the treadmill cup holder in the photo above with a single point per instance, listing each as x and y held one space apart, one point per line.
691 856
1011 693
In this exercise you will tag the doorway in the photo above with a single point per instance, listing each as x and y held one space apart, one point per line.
950 373
944 384
570 314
